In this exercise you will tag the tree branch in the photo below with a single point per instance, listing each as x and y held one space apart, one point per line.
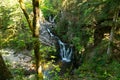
22 6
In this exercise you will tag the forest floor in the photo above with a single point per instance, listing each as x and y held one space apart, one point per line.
21 65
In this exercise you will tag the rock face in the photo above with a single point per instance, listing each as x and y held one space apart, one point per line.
45 36
17 60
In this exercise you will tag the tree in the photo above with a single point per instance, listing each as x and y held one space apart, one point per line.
115 8
35 28
4 72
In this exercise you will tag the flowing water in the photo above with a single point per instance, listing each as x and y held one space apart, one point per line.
65 50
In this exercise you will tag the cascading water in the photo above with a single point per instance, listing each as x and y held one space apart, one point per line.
65 51
45 37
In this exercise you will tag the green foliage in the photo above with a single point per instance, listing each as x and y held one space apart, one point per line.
47 52
50 7
78 20
55 73
99 69
16 32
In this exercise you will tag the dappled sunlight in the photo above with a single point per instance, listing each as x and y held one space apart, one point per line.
8 35
106 36
16 60
9 2
60 39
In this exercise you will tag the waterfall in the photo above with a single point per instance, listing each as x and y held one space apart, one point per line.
49 39
65 50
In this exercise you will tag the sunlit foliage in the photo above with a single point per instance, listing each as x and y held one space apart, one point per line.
81 23
13 25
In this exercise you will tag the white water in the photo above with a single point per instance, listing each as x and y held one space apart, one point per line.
65 52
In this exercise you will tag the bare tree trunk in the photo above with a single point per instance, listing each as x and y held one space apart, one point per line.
115 17
4 72
109 50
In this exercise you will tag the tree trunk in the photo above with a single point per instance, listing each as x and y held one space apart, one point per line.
36 29
109 50
4 72
115 17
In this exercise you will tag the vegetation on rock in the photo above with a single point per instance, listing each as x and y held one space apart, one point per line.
90 26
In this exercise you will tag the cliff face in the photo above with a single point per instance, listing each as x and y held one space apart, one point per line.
45 34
